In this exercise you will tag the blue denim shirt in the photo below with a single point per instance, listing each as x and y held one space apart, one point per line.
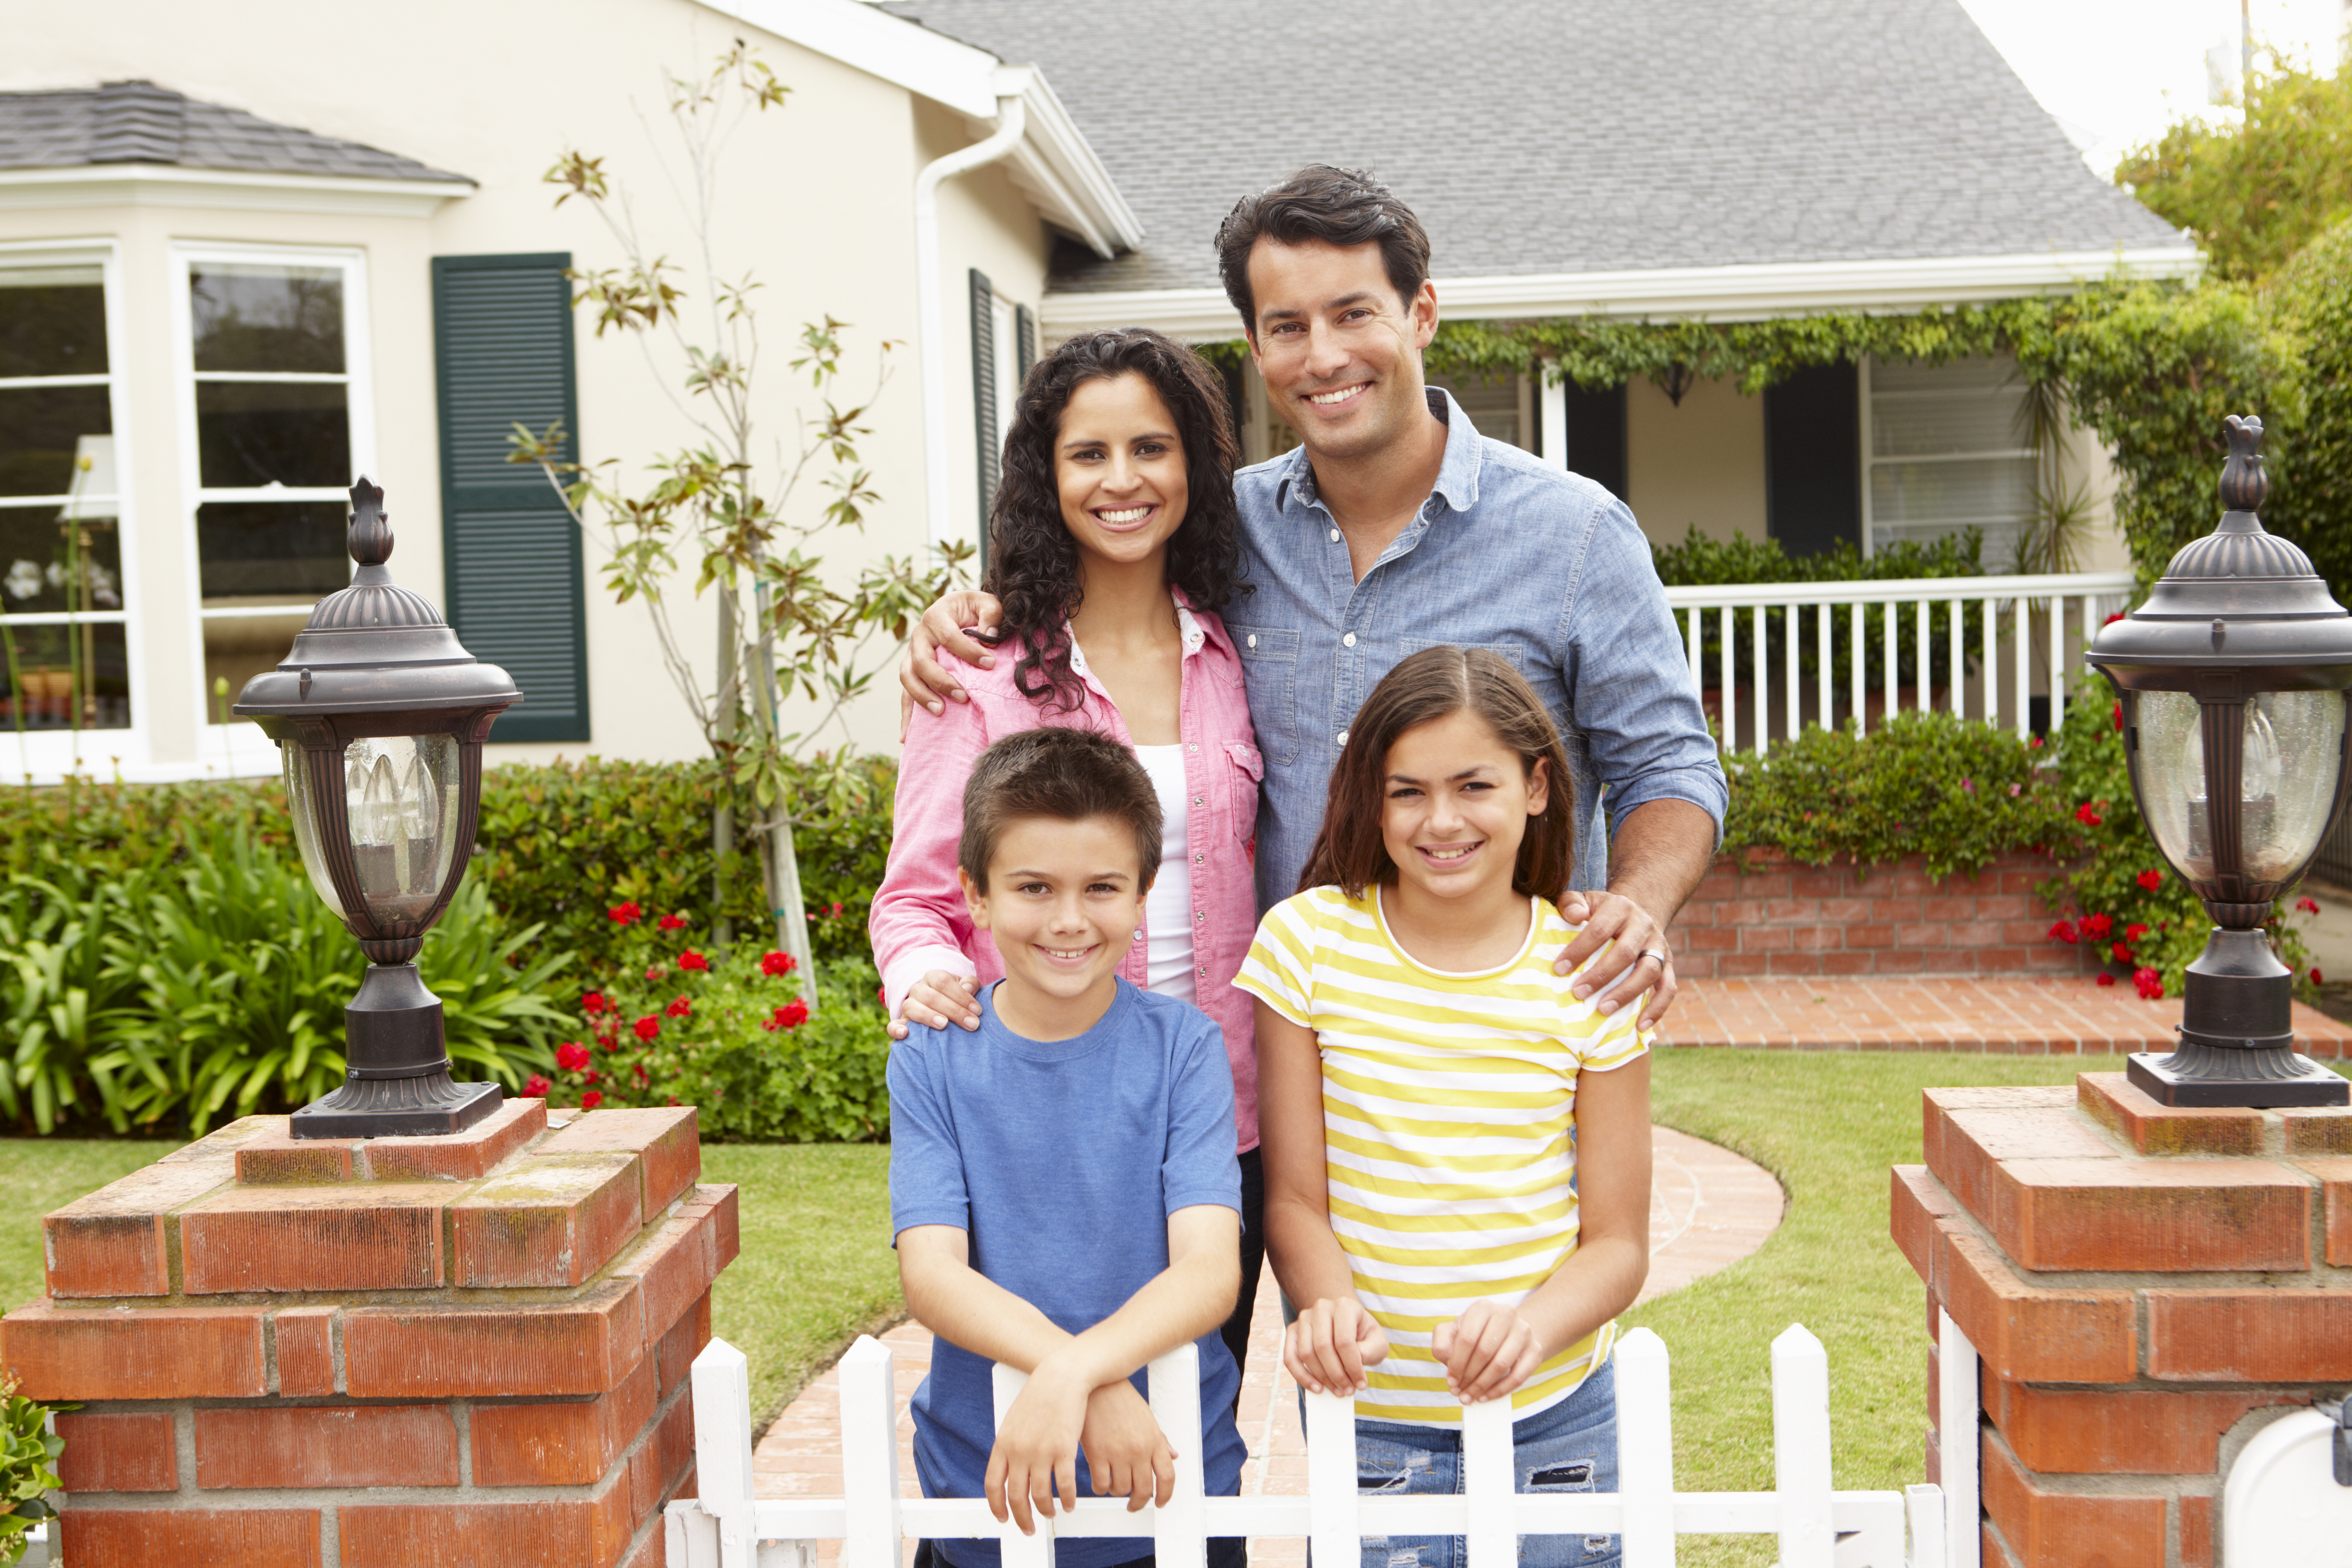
1544 567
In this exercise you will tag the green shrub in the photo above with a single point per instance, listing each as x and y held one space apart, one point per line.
728 1034
2311 461
29 1461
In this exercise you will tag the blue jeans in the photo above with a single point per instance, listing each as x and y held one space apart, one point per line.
1571 1447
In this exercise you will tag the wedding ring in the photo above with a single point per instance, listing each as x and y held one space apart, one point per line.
1653 952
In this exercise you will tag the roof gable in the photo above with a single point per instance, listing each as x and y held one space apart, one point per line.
140 122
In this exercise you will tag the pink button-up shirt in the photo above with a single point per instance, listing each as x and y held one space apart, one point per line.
919 922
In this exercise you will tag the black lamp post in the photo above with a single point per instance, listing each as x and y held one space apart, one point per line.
2233 678
381 717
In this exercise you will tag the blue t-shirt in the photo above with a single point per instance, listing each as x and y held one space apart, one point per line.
1062 1160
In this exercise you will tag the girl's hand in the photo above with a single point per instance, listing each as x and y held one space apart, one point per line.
1330 1345
1127 1454
1487 1352
938 999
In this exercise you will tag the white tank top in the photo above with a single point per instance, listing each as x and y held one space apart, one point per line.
1168 909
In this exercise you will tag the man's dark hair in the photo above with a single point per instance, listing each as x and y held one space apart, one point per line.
1063 774
1339 206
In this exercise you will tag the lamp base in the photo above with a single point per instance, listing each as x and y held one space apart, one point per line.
426 1107
2269 1083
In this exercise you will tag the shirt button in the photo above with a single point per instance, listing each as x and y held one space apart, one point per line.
1253 640
1343 737
1198 858
1335 536
1347 641
1190 746
1198 916
1204 972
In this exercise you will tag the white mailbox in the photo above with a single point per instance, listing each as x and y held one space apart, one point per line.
2281 1503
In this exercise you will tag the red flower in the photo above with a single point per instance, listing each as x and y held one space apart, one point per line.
2151 879
835 911
2063 931
2316 980
791 1014
2120 954
881 995
1968 786
596 1077
593 1002
2135 932
671 922
690 959
627 914
2033 742
2111 619
774 964
647 1027
679 1008
2098 926
571 1056
655 972
535 1088
2308 906
608 1042
2106 978
2120 715
637 1071
2150 984
2086 817
592 1099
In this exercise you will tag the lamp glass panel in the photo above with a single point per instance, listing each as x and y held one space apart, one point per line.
2287 779
309 832
400 793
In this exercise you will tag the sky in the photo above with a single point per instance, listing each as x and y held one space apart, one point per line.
2116 72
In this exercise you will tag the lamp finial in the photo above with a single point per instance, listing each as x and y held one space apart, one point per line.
2245 486
370 540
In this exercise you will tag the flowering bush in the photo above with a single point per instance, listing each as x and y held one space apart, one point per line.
2122 880
730 1035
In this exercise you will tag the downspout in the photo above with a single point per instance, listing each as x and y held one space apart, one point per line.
930 310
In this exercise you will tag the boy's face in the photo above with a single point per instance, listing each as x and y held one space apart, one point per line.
1064 902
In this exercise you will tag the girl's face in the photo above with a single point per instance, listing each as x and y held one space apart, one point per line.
1121 470
1455 804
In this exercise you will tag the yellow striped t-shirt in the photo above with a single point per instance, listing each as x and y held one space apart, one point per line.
1449 1127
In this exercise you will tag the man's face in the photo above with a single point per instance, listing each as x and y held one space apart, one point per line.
1340 353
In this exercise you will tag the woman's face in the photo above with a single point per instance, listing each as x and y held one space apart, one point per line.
1455 805
1121 470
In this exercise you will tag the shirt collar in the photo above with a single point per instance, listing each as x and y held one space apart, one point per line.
1457 475
1188 628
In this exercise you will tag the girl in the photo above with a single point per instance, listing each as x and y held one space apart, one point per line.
1113 541
1457 1149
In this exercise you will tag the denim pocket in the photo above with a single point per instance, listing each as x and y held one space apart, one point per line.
1270 668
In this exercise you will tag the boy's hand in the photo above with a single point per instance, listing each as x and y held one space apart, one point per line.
1487 1352
1036 1453
1330 1345
1126 1451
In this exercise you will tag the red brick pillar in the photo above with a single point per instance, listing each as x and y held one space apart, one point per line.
381 1352
2140 1282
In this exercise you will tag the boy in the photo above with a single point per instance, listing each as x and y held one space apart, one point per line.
1063 1188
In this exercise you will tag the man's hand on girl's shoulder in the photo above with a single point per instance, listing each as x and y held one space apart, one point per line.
1637 958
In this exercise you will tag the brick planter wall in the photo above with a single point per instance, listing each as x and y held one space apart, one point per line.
381 1354
2145 1286
1777 917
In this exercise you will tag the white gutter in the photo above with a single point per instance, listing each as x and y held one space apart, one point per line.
930 310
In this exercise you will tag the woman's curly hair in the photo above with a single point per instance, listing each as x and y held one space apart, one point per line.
1033 561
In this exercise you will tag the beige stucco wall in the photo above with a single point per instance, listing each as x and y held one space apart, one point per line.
815 200
1699 464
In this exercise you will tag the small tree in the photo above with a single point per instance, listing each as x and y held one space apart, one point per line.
722 505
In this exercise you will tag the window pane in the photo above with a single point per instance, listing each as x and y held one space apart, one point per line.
291 551
55 668
41 430
1964 422
47 567
1491 401
1958 491
237 648
52 322
268 318
262 433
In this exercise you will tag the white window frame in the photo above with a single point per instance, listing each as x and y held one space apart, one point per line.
49 756
1870 460
240 747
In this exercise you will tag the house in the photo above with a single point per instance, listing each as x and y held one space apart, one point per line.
241 263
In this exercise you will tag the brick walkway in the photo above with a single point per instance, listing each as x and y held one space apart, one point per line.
2051 1017
1709 1208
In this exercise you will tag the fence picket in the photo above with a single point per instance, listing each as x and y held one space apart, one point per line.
869 1455
722 1448
1645 1449
1182 1528
1489 1472
1019 1551
1923 1510
1800 1449
1331 1531
1957 1397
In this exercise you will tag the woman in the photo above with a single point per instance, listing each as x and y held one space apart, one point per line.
1113 541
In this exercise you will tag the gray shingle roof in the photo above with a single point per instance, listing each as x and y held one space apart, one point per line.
140 122
1567 135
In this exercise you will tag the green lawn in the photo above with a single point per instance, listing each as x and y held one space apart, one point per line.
817 1267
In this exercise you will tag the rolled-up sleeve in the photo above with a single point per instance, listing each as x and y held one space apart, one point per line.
1629 679
919 921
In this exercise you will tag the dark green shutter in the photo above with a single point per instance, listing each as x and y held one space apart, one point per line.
1596 436
986 438
1024 321
1812 460
502 347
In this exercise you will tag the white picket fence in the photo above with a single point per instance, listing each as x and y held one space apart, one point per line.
2050 619
1816 1526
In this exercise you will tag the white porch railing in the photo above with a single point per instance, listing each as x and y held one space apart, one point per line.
2049 620
1816 1527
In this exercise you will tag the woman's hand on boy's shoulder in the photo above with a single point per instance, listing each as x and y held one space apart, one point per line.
1330 1343
939 998
1127 1454
921 677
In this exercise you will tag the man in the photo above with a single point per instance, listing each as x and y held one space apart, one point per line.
1395 526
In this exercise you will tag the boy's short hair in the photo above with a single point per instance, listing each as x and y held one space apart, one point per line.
1339 206
1065 774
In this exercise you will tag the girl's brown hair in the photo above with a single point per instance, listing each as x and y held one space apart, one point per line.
1350 852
